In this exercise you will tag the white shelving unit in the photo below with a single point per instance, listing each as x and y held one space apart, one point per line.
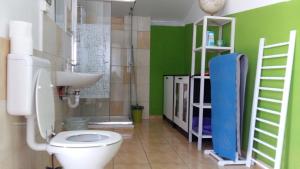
206 21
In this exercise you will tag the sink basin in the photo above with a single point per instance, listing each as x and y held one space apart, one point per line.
76 80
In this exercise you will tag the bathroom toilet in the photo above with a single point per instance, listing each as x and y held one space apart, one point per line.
83 149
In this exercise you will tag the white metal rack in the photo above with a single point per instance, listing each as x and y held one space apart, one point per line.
206 21
255 128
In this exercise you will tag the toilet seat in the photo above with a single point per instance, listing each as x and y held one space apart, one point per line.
45 106
85 139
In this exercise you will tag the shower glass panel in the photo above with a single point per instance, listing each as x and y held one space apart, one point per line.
93 56
101 49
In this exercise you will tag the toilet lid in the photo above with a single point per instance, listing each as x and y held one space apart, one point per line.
85 139
44 103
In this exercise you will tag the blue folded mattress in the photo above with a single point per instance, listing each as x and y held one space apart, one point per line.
228 80
206 128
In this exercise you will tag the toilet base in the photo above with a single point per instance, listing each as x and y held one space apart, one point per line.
85 158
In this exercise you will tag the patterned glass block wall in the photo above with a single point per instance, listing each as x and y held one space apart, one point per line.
93 48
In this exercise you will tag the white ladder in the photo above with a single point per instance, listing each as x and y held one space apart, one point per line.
256 130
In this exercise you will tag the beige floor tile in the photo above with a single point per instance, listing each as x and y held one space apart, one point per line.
131 139
202 166
154 144
154 141
152 134
158 148
129 147
132 166
186 148
196 158
178 141
169 158
169 166
131 158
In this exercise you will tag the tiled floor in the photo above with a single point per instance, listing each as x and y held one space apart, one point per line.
155 144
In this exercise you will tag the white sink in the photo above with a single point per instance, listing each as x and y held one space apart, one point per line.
76 80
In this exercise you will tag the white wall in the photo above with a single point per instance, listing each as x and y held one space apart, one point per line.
167 23
232 6
25 10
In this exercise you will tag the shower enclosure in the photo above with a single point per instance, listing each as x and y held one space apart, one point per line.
108 101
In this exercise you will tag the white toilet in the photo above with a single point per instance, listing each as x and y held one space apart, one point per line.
30 94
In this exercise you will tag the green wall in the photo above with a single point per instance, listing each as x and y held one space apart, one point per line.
188 43
167 57
171 53
272 22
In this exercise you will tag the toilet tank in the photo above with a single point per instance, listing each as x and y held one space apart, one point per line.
21 79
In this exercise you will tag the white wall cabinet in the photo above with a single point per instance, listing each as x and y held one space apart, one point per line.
168 97
181 102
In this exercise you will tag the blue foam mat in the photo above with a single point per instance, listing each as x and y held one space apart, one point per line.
225 74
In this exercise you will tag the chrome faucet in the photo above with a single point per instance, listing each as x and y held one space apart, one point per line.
70 65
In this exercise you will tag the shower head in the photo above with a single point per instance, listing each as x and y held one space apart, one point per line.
132 9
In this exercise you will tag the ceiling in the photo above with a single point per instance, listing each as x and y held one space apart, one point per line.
158 10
